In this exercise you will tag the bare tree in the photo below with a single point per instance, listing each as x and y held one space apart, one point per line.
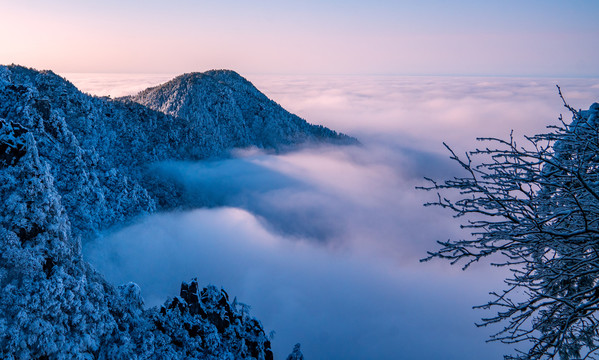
535 210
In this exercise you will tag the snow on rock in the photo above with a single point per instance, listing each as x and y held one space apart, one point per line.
205 320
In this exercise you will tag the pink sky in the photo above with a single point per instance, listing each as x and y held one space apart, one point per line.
332 37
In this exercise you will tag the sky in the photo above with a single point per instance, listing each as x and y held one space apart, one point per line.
462 37
324 244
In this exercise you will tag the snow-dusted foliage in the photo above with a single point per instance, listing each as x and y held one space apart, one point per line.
223 111
53 305
535 209
98 148
50 304
72 165
204 321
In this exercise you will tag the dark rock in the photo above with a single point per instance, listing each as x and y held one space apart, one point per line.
220 323
189 293
43 107
193 330
20 89
252 347
193 287
48 266
196 309
12 142
26 235
268 355
177 342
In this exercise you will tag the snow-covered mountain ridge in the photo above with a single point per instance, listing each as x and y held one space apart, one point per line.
72 165
99 148
230 112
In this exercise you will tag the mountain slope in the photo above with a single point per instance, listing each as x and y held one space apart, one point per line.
230 112
72 165
98 148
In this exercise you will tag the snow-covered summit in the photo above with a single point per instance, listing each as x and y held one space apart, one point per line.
229 111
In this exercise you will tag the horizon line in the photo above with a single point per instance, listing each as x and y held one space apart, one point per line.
357 74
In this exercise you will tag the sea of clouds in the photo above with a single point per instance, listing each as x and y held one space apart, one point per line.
324 243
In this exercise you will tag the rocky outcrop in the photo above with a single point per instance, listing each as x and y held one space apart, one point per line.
204 319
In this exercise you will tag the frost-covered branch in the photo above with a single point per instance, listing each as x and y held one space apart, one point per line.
534 209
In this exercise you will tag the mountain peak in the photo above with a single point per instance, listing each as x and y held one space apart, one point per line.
226 72
216 74
230 110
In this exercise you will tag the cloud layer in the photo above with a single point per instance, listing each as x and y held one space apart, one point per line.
338 304
324 243
421 112
115 85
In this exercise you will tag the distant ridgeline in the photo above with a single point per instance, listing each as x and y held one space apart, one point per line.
72 165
